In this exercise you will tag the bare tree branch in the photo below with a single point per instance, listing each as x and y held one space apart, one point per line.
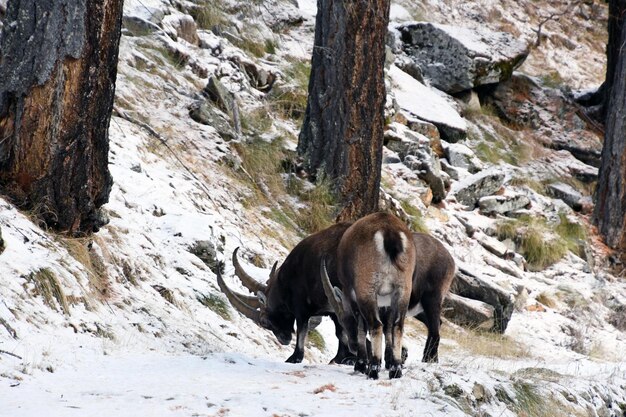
555 16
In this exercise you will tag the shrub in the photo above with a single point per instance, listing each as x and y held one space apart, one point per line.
539 243
290 100
417 220
216 304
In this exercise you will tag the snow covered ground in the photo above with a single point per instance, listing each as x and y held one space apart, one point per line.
232 384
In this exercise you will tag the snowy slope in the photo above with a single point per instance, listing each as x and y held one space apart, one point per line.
145 330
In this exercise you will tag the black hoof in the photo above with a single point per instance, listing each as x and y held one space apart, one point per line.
294 359
372 372
405 354
360 366
343 359
395 372
349 361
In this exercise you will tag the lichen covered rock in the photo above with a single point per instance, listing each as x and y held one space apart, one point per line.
454 59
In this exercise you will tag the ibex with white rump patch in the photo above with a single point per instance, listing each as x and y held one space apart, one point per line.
375 264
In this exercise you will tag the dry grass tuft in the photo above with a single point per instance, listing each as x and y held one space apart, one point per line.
263 168
536 240
483 343
316 340
47 285
81 250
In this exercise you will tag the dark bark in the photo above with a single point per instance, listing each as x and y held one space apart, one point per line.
58 64
597 101
610 208
342 133
617 11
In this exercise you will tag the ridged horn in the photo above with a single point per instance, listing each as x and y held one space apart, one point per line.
250 283
273 272
332 293
251 300
248 311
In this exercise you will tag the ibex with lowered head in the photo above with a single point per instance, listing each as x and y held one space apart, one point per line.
293 292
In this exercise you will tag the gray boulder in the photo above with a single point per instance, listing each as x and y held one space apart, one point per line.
522 101
454 172
469 313
206 251
225 100
568 194
415 151
141 20
424 103
502 204
390 157
182 26
260 78
405 142
471 189
454 59
461 156
583 172
203 112
429 171
471 285
136 26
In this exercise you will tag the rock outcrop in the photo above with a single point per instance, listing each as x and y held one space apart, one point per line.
182 26
503 204
415 151
489 304
461 156
140 19
523 102
568 194
455 59
425 104
471 189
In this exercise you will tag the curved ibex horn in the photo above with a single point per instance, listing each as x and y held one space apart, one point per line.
248 311
332 293
273 272
250 283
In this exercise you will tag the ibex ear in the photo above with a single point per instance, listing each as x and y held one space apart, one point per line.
262 298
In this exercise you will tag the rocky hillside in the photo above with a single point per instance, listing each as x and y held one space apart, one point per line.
485 149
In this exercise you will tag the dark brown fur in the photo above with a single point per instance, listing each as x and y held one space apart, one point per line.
295 292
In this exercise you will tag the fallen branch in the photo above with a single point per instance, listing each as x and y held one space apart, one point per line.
10 354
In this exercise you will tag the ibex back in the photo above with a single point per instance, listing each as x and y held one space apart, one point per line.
375 264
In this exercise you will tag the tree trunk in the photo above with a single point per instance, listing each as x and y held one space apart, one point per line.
610 208
597 102
342 133
58 63
617 10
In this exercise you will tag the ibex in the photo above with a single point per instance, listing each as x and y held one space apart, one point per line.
376 261
293 292
433 275
298 292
